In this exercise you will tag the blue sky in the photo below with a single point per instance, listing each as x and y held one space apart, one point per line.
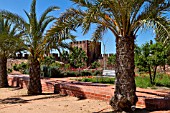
18 6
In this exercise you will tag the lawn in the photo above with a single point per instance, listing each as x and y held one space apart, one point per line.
142 81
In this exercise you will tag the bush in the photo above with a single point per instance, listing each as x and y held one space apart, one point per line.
9 70
55 72
71 74
85 73
15 67
23 68
95 65
97 73
52 72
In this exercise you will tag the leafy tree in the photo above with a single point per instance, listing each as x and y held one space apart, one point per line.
77 58
149 57
123 19
10 42
112 60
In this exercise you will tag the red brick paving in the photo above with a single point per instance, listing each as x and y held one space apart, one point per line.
147 98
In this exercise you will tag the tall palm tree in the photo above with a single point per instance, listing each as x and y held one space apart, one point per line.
123 18
9 44
35 40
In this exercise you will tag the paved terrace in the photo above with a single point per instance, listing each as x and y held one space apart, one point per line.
147 98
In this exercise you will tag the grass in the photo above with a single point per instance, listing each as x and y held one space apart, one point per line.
163 80
141 81
105 80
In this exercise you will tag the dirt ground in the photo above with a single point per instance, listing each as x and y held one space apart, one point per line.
14 100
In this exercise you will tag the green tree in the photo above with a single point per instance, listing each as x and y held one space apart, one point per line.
149 57
123 19
77 58
112 60
10 42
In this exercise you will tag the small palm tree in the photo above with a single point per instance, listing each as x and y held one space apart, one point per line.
37 43
10 42
123 18
77 58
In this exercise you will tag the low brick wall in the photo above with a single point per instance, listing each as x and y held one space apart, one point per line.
157 103
93 91
23 80
82 91
85 91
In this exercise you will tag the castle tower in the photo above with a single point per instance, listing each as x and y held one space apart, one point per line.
92 49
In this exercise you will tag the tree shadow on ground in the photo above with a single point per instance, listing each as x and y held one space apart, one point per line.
15 100
12 101
136 111
18 99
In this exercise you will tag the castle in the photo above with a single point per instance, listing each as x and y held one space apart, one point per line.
91 48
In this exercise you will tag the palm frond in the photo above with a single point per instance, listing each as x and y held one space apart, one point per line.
83 3
13 17
46 23
99 32
151 11
45 13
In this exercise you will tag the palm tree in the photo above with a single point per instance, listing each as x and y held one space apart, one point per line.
123 18
9 44
77 58
37 43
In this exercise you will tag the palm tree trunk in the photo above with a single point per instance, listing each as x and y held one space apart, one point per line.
125 89
34 87
3 72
